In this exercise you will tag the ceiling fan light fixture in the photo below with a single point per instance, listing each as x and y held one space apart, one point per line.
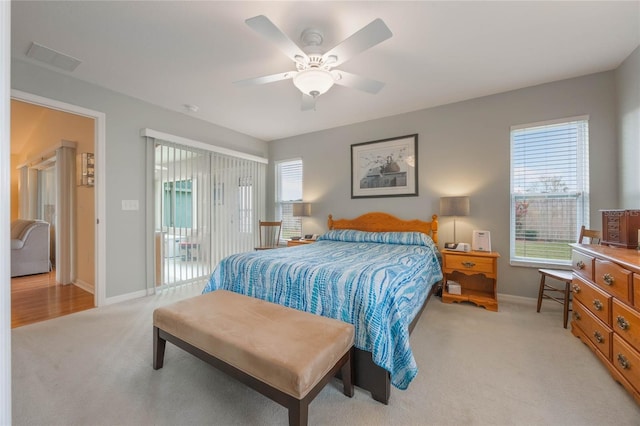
313 82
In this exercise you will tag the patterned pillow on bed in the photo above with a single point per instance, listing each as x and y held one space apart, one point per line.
406 238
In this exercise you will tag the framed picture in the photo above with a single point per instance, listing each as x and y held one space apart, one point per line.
385 168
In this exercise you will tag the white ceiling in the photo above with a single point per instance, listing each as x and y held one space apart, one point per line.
172 53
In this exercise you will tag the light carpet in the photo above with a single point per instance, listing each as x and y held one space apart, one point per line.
512 367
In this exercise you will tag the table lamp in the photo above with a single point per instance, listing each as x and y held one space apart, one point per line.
454 206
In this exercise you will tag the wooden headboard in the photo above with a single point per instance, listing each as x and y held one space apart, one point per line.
384 222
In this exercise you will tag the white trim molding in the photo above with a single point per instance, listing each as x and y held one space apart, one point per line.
5 217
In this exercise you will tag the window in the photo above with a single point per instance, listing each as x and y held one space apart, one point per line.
549 190
288 191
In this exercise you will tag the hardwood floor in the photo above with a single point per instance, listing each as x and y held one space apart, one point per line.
36 298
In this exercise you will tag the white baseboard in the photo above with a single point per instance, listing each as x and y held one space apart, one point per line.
125 297
85 286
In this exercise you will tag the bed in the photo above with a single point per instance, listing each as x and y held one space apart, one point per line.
376 272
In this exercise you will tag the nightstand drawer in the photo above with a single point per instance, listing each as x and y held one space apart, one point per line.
593 298
471 264
613 279
626 322
594 330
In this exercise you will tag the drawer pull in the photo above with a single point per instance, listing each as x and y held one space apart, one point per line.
597 304
580 264
608 279
622 323
599 338
468 264
577 316
623 361
576 288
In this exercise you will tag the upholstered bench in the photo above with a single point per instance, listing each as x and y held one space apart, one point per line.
285 354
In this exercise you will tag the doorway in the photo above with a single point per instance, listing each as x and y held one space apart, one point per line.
42 121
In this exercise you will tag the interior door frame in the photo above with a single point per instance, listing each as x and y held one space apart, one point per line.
99 294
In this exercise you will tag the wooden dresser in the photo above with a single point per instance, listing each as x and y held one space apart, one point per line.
606 308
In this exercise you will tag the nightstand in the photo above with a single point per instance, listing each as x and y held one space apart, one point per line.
477 274
291 243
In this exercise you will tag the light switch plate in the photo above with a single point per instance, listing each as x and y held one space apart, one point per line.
130 205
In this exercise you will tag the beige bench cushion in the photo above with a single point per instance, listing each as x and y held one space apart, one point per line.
288 349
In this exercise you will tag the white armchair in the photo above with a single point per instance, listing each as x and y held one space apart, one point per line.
29 247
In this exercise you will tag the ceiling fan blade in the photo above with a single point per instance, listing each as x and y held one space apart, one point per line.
265 79
308 103
262 25
354 81
367 37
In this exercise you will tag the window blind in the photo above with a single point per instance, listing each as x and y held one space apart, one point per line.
549 189
289 191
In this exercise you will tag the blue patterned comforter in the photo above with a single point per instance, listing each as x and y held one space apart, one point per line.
376 281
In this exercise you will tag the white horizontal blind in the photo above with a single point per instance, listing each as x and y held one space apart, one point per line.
549 189
288 191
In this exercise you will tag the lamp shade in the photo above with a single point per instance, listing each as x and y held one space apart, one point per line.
454 206
301 209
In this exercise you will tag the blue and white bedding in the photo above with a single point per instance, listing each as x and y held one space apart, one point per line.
377 281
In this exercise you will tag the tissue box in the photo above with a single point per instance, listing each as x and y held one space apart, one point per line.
454 288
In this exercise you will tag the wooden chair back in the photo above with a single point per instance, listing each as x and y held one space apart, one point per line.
269 235
593 235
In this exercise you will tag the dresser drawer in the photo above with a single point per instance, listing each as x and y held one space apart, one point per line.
471 264
582 264
626 322
627 361
594 299
636 291
614 279
596 331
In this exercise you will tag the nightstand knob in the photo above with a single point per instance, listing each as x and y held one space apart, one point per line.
576 288
468 264
580 264
608 279
597 304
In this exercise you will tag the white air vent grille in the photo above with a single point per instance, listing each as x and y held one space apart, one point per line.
51 57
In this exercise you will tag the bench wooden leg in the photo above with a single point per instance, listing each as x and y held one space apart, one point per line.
347 375
158 349
299 413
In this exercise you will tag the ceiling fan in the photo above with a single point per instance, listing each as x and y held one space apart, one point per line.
314 73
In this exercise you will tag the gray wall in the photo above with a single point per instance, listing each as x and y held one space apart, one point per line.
463 150
628 91
125 160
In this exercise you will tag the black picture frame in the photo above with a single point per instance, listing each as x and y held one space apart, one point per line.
385 168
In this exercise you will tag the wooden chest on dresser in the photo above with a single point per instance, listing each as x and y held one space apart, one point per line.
620 228
606 308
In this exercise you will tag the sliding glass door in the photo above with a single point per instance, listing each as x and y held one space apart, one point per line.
205 208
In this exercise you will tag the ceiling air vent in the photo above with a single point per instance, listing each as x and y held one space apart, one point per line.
51 57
